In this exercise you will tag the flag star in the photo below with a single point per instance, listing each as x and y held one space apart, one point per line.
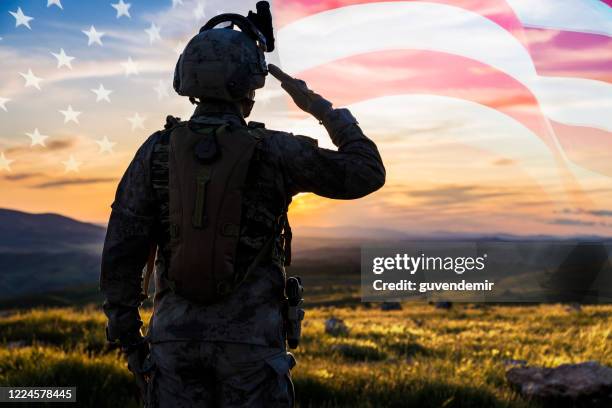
123 9
176 3
5 164
161 89
137 121
105 145
63 59
72 165
70 115
153 33
102 94
93 36
3 102
130 67
31 79
198 12
57 3
21 19
37 138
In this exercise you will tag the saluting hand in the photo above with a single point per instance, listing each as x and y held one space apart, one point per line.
303 97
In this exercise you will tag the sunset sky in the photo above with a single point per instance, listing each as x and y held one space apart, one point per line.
490 119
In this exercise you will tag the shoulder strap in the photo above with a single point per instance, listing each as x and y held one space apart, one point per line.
172 122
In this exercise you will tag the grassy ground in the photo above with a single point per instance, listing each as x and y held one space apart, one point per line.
419 356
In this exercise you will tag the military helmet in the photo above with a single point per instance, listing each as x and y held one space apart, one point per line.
223 63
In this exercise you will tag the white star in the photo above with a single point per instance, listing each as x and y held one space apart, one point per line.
105 145
72 165
198 12
93 36
21 19
137 121
70 115
161 89
37 138
123 9
63 59
153 33
31 79
176 3
102 94
3 102
57 3
130 67
5 164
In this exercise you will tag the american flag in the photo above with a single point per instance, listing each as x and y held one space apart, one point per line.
521 87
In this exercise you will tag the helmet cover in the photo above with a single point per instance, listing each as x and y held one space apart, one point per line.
220 63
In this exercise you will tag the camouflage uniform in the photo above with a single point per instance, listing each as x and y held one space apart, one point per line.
231 353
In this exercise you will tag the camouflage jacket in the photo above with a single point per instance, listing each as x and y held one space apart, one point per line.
282 166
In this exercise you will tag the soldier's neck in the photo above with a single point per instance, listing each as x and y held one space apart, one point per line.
218 108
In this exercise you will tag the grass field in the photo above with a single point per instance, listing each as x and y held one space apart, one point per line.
419 356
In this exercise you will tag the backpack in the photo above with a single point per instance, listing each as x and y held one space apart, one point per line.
207 172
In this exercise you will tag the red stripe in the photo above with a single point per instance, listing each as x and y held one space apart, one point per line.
570 54
362 77
498 11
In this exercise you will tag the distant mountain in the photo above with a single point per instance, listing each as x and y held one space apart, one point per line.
25 233
56 259
43 253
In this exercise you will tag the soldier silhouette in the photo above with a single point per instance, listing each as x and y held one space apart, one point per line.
207 199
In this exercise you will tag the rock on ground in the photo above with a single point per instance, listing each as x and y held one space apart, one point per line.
336 327
586 384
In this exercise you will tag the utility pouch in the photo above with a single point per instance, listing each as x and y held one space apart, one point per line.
294 311
207 171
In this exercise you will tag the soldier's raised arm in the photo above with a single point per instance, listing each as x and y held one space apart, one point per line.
353 171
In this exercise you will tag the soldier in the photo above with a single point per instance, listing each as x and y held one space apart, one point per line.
209 196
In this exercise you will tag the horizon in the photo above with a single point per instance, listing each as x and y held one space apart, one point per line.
393 234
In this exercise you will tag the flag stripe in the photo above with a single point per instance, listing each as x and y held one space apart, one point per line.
497 11
425 72
570 54
407 25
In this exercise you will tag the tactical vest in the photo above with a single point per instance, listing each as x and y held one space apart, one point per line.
207 172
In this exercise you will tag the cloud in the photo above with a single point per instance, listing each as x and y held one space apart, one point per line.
595 213
52 145
73 182
60 144
22 176
503 162
455 194
572 221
